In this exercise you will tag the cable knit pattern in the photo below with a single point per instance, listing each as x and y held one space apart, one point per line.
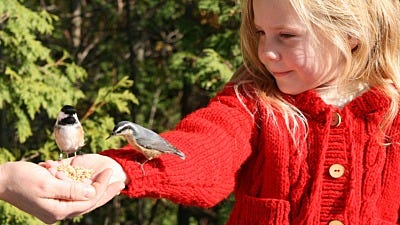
274 180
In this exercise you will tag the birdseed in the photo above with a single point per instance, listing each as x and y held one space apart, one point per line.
76 173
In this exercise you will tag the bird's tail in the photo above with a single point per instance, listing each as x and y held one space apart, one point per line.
180 154
174 150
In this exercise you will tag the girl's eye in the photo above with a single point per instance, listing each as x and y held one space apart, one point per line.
260 32
286 35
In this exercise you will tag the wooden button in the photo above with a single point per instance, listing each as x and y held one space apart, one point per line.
335 222
336 120
336 170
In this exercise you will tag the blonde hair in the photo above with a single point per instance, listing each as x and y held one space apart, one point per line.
376 59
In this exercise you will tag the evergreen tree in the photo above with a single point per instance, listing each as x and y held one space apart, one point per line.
36 80
172 55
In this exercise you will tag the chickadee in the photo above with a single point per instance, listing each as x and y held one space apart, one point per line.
68 131
145 141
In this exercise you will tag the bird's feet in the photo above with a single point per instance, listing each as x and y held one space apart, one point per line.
141 166
60 156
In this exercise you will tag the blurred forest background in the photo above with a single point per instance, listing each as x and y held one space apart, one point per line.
149 61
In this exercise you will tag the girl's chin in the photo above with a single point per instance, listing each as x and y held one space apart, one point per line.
291 90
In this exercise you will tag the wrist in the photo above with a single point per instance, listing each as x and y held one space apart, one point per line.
3 179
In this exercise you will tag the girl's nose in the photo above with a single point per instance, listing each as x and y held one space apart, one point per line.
272 55
267 51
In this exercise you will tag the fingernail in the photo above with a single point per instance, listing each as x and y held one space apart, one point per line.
122 185
89 192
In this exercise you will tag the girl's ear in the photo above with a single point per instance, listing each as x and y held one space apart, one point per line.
353 42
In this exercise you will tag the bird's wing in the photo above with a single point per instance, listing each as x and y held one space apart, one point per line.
151 140
156 142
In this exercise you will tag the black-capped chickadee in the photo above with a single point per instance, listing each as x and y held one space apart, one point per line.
68 131
145 141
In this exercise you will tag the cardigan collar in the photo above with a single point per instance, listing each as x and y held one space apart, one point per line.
309 103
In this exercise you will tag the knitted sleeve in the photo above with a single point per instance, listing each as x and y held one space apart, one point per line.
216 139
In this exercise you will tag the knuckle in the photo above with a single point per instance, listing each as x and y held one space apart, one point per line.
46 187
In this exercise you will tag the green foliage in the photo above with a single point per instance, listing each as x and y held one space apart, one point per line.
87 54
11 215
36 79
96 132
110 94
209 69
6 156
209 5
30 72
100 126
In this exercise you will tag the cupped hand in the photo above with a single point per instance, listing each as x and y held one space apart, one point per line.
33 189
97 163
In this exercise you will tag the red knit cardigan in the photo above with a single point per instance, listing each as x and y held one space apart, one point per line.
232 148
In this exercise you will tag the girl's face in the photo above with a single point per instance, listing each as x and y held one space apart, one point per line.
296 60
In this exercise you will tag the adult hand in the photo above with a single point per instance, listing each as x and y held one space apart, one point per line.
33 189
97 163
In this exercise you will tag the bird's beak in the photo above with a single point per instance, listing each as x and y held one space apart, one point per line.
111 135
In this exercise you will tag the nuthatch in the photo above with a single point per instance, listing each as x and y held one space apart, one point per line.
68 131
145 141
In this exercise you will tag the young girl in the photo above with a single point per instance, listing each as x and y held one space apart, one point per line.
307 132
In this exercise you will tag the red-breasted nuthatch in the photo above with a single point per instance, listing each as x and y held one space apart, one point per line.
145 141
68 131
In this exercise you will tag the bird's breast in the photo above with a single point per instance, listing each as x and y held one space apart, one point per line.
69 138
148 153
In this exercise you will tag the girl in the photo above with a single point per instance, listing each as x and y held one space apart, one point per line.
307 132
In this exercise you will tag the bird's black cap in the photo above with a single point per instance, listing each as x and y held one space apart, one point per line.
67 109
120 124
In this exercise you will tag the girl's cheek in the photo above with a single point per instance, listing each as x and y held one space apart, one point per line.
261 54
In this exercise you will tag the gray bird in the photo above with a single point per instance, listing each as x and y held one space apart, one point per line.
145 141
